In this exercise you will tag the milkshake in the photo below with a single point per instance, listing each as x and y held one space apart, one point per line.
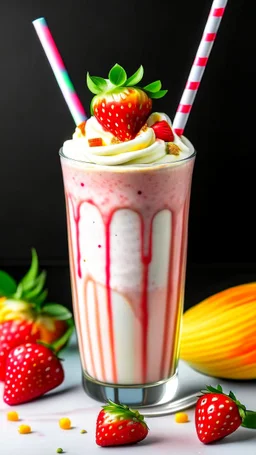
127 179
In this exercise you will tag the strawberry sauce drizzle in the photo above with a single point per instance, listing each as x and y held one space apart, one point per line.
77 216
74 285
178 309
109 297
146 257
90 348
169 300
97 313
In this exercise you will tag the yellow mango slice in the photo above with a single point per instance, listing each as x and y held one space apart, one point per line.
219 334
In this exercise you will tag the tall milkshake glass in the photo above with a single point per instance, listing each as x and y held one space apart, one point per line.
127 234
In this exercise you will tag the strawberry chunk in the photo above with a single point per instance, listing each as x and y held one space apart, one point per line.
163 131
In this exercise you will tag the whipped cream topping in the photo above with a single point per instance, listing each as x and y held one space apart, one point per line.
145 148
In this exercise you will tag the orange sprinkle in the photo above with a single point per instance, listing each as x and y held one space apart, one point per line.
13 416
24 429
181 417
82 127
95 142
65 423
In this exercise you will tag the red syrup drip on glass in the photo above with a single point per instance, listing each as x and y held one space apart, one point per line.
109 297
168 301
97 312
77 216
146 258
182 271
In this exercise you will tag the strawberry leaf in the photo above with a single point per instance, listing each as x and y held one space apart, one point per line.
135 78
156 95
18 293
211 389
117 75
31 287
217 389
100 82
27 281
57 311
40 298
92 86
7 284
153 87
232 395
37 288
249 420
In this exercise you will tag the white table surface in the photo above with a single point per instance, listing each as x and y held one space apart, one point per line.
69 400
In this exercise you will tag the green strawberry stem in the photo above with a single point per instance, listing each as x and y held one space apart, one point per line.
248 417
118 410
117 79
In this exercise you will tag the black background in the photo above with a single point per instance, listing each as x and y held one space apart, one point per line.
34 121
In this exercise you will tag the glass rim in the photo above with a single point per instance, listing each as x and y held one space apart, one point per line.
131 167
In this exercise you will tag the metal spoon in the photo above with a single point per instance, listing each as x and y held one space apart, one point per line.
170 408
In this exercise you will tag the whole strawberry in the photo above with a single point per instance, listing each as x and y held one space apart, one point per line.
31 371
12 334
119 425
119 106
217 415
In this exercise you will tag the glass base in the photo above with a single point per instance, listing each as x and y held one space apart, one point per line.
132 395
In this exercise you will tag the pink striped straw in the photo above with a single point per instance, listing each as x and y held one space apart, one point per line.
59 70
198 67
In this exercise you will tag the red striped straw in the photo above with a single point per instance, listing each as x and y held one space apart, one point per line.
199 64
